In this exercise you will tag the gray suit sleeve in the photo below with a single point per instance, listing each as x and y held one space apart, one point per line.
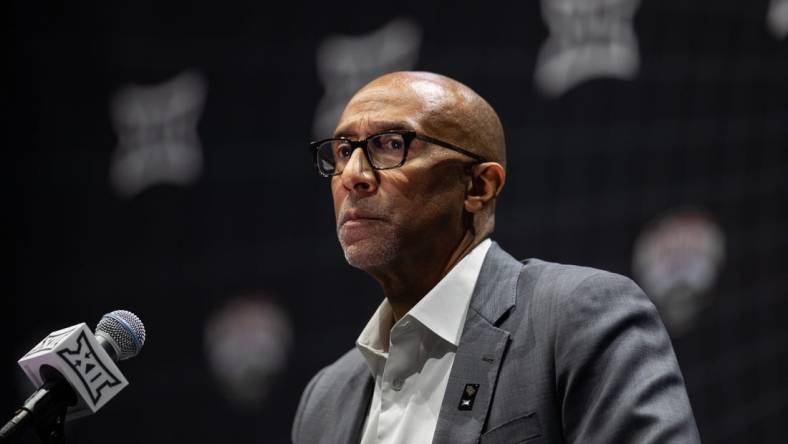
617 375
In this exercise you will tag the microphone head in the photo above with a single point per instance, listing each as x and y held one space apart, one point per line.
124 330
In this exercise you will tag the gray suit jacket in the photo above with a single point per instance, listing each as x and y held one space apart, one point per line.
561 354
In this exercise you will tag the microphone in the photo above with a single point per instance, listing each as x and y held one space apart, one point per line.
76 373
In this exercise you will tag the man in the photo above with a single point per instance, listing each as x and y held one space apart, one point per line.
469 344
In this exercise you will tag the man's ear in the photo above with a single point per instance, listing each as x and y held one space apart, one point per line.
486 183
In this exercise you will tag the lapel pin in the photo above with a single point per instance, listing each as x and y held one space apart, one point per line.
468 396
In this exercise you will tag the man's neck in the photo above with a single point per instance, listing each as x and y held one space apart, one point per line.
405 286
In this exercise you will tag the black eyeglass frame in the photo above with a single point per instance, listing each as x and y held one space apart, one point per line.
407 137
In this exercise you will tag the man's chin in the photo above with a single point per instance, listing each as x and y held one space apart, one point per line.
368 254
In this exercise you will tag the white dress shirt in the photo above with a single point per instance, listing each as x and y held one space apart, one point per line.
412 359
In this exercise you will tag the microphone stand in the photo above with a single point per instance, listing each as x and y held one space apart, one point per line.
45 411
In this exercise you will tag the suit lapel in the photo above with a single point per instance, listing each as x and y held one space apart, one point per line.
481 350
354 407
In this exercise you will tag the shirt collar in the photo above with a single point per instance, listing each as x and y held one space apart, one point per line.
442 310
374 339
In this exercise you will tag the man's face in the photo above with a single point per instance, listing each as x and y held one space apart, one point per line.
388 217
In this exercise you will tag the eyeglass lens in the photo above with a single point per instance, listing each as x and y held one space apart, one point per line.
385 150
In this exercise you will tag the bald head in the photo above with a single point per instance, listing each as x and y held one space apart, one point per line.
441 107
434 193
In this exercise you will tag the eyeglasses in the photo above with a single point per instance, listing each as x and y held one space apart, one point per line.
384 150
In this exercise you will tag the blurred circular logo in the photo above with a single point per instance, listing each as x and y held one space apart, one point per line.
777 18
247 345
677 260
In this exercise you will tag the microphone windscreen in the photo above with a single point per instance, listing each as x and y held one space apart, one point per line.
125 330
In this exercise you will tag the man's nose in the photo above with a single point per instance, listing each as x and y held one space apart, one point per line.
358 175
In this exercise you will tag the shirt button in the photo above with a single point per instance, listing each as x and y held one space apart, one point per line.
397 384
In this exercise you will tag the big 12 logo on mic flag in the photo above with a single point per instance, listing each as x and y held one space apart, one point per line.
83 362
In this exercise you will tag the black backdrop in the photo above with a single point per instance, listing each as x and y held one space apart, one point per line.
704 123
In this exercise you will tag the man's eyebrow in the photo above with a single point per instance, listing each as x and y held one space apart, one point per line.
376 128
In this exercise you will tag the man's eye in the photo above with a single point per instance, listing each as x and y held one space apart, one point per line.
345 151
392 144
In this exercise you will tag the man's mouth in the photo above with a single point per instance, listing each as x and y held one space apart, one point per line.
354 217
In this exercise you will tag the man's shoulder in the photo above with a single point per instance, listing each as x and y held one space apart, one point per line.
551 291
551 283
542 274
541 283
564 278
